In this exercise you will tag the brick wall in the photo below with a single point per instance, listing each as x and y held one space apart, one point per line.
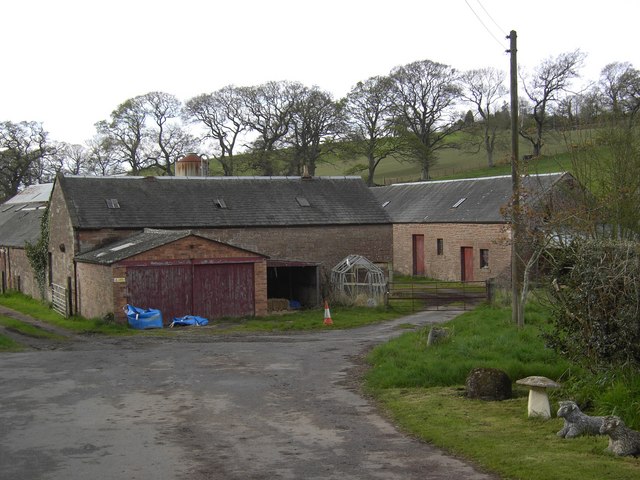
493 237
326 245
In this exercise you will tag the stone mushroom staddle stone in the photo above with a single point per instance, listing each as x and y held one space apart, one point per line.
538 405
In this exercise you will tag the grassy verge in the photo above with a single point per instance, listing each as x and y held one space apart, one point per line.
27 329
500 438
422 390
41 311
9 345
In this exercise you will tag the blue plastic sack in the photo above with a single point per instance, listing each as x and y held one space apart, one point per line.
142 319
189 320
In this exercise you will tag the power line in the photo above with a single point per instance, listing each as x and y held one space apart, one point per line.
483 24
491 18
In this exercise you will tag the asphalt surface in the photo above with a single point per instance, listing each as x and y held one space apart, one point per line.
201 407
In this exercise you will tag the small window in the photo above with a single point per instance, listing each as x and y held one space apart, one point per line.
303 202
484 258
459 202
112 202
220 203
386 203
440 246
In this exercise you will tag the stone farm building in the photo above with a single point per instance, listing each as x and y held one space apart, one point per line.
20 219
456 229
187 245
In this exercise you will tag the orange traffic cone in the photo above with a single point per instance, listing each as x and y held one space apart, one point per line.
327 314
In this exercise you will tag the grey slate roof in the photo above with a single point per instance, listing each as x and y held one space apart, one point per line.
438 201
21 215
142 242
189 202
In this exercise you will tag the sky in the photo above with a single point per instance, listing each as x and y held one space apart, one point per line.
70 63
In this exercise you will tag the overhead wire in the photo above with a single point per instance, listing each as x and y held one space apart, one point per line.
504 32
483 24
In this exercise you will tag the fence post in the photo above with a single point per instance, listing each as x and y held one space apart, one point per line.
489 286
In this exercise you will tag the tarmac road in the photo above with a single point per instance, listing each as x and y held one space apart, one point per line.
245 407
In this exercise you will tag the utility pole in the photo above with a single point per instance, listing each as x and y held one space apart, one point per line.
517 310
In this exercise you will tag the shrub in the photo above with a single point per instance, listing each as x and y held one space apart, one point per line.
595 300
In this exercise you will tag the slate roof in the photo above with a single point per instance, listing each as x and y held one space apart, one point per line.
473 200
142 242
189 202
20 216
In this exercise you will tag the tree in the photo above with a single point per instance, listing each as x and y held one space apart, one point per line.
168 140
369 108
552 77
24 151
100 157
270 109
316 121
484 88
223 113
127 132
424 94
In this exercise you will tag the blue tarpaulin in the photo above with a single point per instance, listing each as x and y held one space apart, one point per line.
189 320
141 318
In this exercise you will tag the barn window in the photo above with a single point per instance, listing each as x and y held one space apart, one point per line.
303 202
220 203
484 258
439 246
112 202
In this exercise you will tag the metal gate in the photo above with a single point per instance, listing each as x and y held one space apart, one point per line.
437 295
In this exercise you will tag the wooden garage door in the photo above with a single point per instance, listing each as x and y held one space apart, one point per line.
167 288
224 290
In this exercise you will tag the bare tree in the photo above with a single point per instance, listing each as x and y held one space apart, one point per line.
70 159
270 109
24 151
126 132
316 122
552 77
168 140
424 96
224 115
101 159
484 88
371 133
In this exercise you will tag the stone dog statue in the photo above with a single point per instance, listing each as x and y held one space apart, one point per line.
622 440
577 423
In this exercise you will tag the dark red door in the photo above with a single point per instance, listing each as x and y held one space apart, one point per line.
466 257
418 254
167 288
223 290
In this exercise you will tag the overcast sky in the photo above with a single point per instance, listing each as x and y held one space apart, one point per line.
69 63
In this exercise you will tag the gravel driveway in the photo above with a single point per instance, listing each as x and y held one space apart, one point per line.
190 407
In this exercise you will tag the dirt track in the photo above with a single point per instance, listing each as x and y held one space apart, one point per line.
244 407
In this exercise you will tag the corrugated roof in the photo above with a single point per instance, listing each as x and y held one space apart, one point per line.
473 200
21 215
178 202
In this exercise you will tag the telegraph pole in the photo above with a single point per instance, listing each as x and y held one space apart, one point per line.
517 313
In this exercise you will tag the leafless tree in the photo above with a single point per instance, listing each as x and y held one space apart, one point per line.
270 108
168 140
484 88
424 96
24 151
127 133
316 122
224 115
551 78
101 159
369 108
